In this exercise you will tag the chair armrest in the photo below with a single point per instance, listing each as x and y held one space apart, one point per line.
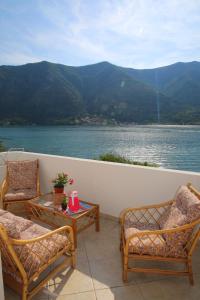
64 230
3 189
145 213
34 255
170 234
159 232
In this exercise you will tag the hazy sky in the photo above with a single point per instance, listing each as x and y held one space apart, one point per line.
134 33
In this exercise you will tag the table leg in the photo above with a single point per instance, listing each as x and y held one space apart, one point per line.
74 226
97 224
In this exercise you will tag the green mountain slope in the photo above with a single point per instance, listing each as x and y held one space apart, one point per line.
162 77
181 83
111 93
47 93
37 93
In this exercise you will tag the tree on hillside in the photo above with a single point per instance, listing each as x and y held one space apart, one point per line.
2 147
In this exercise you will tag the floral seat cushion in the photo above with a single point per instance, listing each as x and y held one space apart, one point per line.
2 212
184 210
153 245
32 255
140 226
156 245
36 254
20 194
22 174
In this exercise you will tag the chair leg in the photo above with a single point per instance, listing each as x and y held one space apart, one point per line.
73 260
125 268
5 206
189 265
121 242
24 292
120 245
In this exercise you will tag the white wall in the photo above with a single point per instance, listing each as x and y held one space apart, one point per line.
113 186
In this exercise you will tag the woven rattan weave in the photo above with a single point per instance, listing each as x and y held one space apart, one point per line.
150 215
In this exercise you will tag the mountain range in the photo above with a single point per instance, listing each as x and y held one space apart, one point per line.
49 93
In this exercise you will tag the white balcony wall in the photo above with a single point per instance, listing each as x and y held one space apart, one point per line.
113 186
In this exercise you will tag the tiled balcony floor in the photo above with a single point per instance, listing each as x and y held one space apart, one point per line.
98 274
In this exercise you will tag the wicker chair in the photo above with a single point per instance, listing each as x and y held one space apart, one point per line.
28 263
166 232
20 184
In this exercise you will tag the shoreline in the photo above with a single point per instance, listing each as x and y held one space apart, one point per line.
99 125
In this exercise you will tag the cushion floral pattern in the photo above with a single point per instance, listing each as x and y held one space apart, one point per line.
2 212
164 217
184 210
22 174
140 226
10 227
193 212
184 198
189 203
20 223
33 231
174 219
36 254
21 194
153 245
157 245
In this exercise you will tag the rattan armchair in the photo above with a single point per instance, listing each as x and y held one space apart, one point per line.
21 183
20 272
147 242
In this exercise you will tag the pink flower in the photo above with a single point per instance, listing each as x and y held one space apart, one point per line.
71 181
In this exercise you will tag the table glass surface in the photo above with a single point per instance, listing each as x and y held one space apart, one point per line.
52 201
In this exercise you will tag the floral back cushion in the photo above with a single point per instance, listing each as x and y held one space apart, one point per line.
188 203
10 227
184 210
22 174
173 219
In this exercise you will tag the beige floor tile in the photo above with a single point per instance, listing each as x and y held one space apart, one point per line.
102 248
143 278
44 294
80 250
111 236
79 296
102 251
107 228
196 261
11 295
170 288
149 277
107 273
75 281
120 293
107 224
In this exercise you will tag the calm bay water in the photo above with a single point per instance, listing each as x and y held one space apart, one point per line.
175 147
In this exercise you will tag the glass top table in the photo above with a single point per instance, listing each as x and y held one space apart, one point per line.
47 209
